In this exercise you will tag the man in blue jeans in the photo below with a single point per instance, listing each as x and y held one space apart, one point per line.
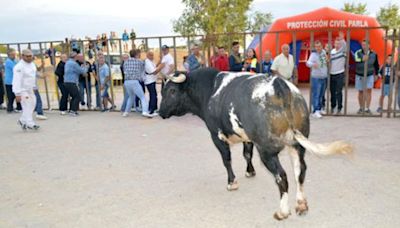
319 74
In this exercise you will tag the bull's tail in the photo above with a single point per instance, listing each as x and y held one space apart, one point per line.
337 147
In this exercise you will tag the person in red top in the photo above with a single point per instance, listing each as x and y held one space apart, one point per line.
221 61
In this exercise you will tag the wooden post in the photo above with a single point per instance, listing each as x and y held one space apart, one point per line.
392 75
397 79
261 52
365 74
311 48
44 77
294 42
346 88
174 41
87 83
111 79
328 88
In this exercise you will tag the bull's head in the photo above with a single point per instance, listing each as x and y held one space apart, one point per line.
174 97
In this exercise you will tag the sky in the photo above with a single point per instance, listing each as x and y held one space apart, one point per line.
45 20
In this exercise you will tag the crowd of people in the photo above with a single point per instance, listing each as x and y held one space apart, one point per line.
74 77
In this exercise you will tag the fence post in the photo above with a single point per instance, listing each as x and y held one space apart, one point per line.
328 94
175 60
87 83
19 51
294 42
111 78
261 52
44 77
311 48
364 97
54 81
347 69
392 75
397 79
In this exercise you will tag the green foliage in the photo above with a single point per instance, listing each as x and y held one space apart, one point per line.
389 16
259 20
3 49
360 8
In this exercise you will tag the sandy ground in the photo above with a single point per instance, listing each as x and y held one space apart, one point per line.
102 170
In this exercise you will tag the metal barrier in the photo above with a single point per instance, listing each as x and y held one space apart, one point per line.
180 45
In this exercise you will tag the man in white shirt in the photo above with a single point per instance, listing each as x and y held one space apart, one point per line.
150 79
283 64
167 63
24 81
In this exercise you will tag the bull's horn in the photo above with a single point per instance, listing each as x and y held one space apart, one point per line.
180 79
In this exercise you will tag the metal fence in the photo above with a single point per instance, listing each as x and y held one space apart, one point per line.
180 46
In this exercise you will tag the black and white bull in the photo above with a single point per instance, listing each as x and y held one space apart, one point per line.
269 113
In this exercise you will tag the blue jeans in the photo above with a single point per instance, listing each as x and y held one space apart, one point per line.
133 88
317 90
39 106
153 97
123 106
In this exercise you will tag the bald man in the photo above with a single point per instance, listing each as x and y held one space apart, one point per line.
24 81
283 64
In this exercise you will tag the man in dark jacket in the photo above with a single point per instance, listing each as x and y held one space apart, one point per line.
60 82
235 60
362 56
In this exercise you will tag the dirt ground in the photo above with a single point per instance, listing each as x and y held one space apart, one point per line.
103 170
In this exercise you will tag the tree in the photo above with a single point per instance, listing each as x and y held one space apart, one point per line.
213 17
389 16
259 20
3 49
360 8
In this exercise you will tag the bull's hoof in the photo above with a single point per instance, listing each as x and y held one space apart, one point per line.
232 186
250 174
302 207
281 216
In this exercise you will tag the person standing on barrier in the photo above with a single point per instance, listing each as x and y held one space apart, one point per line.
266 64
134 71
167 64
235 60
23 82
385 71
10 63
196 59
71 80
362 56
60 83
319 74
283 64
2 86
124 58
338 63
150 80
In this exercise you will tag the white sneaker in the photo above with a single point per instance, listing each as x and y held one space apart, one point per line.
154 114
41 117
146 114
63 113
125 114
323 112
316 115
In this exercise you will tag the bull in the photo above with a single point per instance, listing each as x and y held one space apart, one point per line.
266 112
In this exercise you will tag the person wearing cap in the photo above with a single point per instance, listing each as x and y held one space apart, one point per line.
10 63
167 63
71 80
23 83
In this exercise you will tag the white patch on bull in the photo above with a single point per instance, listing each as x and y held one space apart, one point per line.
262 89
256 76
296 169
239 136
284 205
292 87
227 79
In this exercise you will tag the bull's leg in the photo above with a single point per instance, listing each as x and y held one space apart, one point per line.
248 155
225 151
274 166
299 167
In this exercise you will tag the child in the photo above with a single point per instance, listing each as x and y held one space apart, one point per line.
386 71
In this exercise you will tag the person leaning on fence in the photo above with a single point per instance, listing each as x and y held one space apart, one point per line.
134 71
266 64
362 56
283 65
150 79
60 83
71 80
196 60
235 60
10 63
319 74
39 104
386 71
2 86
23 82
338 62
251 62
167 63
